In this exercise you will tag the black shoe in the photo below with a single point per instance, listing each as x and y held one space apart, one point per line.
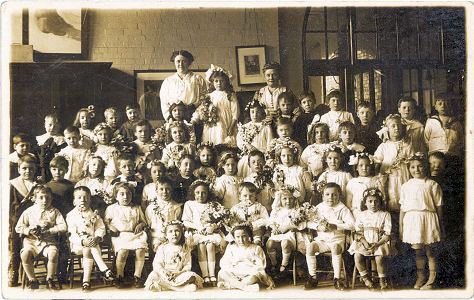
33 284
119 282
312 283
108 276
339 284
86 286
138 282
50 285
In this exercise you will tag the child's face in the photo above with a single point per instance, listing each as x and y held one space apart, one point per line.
437 166
219 83
417 169
395 128
201 193
333 160
142 133
173 234
27 170
230 166
347 136
132 114
103 137
182 64
372 203
256 163
58 172
205 157
365 115
335 103
186 167
84 119
285 106
363 167
178 113
287 157
287 200
82 200
111 119
246 195
50 125
178 134
127 167
95 167
272 78
72 139
320 135
241 237
441 107
164 191
157 172
124 196
256 114
22 148
407 110
331 196
307 104
43 199
284 130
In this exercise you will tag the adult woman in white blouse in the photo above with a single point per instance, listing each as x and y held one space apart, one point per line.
184 86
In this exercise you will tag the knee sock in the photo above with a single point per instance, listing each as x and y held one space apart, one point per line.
432 265
30 271
138 268
336 265
204 269
273 256
311 261
51 269
285 259
87 264
120 267
212 268
419 260
98 259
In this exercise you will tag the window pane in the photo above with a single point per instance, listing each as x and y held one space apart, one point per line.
365 45
366 85
414 79
429 45
315 46
365 18
316 19
378 90
316 86
332 83
406 81
337 45
357 88
337 18
388 45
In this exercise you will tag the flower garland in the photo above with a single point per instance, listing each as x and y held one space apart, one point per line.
87 222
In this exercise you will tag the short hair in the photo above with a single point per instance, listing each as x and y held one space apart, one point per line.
305 95
444 97
72 129
256 153
187 135
124 185
183 53
143 123
58 162
132 105
367 193
406 99
21 138
334 93
52 117
184 156
173 106
288 96
102 164
249 186
348 125
28 158
82 188
157 163
284 122
180 225
111 110
310 136
364 104
271 66
125 156
437 154
333 185
41 188
243 227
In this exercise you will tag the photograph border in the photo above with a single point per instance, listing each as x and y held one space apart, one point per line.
240 51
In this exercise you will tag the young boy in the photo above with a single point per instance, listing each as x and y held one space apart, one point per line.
346 133
146 150
308 105
127 129
336 115
128 173
22 147
51 125
75 154
415 130
40 224
20 188
366 128
112 118
185 178
261 178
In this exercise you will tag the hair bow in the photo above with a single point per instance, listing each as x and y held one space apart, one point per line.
254 103
214 69
91 110
100 127
418 156
354 159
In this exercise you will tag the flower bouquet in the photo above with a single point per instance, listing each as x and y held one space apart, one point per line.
216 215
206 113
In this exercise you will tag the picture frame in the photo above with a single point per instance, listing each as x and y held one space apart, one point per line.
56 33
152 80
250 61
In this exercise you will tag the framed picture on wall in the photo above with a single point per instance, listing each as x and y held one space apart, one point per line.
250 60
56 33
147 85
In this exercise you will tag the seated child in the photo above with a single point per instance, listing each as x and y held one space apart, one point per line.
75 154
172 263
147 151
178 136
227 184
127 225
128 173
366 128
87 230
104 149
184 179
308 105
40 225
157 172
22 146
83 122
112 118
336 115
243 264
51 125
127 130
335 218
261 176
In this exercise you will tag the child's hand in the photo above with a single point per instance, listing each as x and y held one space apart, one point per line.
139 228
365 243
95 241
114 231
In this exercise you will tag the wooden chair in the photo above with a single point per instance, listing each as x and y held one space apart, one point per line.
40 263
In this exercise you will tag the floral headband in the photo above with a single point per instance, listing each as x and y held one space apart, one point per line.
372 192
213 69
205 144
333 148
152 163
199 182
246 225
354 159
383 133
225 156
286 188
286 143
175 223
254 103
418 156
101 126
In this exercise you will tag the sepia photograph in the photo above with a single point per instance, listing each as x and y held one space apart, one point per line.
236 150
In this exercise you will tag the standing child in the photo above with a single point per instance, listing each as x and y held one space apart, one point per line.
207 236
185 178
51 125
127 225
87 230
103 135
372 238
313 155
336 116
83 121
415 130
421 201
127 130
178 114
75 153
308 105
243 264
346 133
129 174
147 151
180 144
172 263
22 147
157 172
261 176
334 172
366 130
287 105
222 97
112 118
227 184
207 159
40 224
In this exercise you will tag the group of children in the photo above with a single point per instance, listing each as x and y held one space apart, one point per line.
289 180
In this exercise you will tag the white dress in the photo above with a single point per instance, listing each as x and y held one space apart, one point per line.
419 199
149 194
109 154
227 189
83 224
293 176
254 213
339 177
269 99
125 219
312 158
280 218
227 112
157 214
76 158
333 119
374 226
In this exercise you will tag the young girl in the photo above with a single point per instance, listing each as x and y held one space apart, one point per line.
157 172
225 101
178 136
284 131
207 156
243 264
334 173
178 114
249 210
127 227
421 201
207 236
372 238
87 230
415 130
227 184
336 116
103 136
172 263
254 135
83 121
313 155
97 184
51 125
334 218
